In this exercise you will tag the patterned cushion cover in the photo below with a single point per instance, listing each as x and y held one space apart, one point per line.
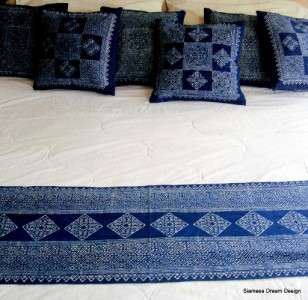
252 66
78 51
137 45
199 62
287 38
18 38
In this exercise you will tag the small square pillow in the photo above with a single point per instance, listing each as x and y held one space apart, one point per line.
78 51
287 41
252 66
136 63
18 38
199 62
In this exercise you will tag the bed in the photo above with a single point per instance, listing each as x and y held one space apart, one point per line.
68 138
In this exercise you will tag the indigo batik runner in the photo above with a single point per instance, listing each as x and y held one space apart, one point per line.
153 233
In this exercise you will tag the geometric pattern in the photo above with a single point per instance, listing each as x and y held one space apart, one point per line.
83 227
252 65
290 42
199 62
288 38
169 224
72 53
18 38
212 224
194 239
222 58
6 225
136 61
254 223
126 225
41 228
294 221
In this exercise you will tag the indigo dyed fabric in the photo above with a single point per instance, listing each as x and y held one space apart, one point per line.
136 54
199 62
252 65
18 38
287 41
153 233
78 51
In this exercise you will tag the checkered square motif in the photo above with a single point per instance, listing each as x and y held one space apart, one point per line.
199 62
136 54
288 40
252 65
18 38
78 51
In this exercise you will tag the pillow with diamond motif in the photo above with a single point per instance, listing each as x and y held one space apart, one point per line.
18 38
286 39
136 53
252 65
78 51
199 62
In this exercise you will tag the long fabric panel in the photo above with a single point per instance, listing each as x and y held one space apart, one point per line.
153 233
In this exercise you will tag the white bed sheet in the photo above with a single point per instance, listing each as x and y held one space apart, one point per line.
75 138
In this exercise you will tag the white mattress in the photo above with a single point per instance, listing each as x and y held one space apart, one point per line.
86 139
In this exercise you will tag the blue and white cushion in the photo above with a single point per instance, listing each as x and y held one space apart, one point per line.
252 63
18 38
78 51
287 41
137 41
199 62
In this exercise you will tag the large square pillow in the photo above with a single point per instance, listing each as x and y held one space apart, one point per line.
136 54
78 51
252 65
18 37
199 62
286 39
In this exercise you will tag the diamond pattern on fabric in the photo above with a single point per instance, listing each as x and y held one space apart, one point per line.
252 65
254 223
136 59
222 58
77 51
41 228
83 227
169 224
290 43
196 80
6 225
126 225
294 221
287 37
201 55
173 56
212 224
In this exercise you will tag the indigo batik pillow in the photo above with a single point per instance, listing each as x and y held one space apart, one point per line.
287 40
199 62
18 38
78 51
252 65
136 54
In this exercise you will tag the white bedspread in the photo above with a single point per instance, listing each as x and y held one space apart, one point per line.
75 138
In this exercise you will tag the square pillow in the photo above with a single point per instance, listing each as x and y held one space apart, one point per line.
286 39
252 65
78 51
136 54
18 38
199 62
